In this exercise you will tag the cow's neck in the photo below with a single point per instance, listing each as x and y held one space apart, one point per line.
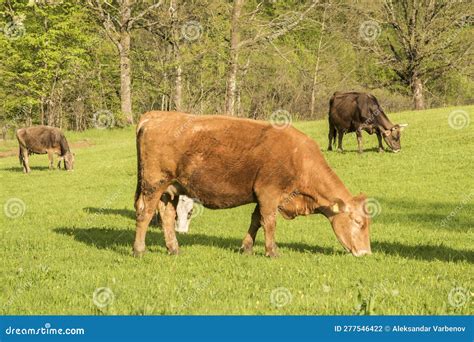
325 187
383 122
64 146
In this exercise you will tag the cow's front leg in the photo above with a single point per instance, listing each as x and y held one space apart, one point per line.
359 140
145 206
26 164
268 221
249 240
51 160
379 138
168 218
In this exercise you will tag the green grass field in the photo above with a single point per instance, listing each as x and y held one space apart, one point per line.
74 235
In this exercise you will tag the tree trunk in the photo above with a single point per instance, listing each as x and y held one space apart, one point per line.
316 68
176 55
233 58
417 90
125 77
178 89
125 65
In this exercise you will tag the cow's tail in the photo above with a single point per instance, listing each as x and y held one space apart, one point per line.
20 156
20 144
139 204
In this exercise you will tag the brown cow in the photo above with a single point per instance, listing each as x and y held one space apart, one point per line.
355 112
226 162
42 140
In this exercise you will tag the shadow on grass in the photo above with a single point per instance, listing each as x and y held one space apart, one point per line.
108 211
434 215
113 238
369 150
20 169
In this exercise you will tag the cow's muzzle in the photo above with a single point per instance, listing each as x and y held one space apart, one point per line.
361 253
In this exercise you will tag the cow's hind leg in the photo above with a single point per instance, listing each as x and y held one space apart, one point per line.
340 135
331 135
145 206
167 209
255 224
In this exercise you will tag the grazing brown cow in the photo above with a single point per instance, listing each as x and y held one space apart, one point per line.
227 162
42 140
354 112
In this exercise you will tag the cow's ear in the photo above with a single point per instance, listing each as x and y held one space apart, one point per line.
338 206
402 126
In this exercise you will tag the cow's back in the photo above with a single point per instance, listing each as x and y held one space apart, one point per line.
221 155
40 139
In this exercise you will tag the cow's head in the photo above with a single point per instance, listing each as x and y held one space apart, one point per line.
350 223
392 136
184 211
69 161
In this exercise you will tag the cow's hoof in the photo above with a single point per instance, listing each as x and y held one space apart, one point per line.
360 151
245 250
272 254
381 150
173 251
138 254
340 150
329 148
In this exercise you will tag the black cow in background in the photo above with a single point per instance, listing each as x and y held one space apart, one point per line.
354 112
44 140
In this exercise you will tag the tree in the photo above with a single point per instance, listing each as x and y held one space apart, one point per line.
119 18
266 32
423 39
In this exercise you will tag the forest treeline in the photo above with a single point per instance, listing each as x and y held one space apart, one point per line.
79 64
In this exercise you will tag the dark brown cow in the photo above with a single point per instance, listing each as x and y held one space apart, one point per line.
226 162
354 112
44 140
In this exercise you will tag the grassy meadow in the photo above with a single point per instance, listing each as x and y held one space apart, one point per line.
66 237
